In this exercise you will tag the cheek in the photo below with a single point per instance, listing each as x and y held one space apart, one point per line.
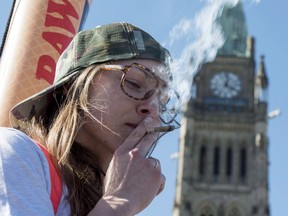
106 102
98 104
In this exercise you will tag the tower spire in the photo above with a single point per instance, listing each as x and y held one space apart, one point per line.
261 82
261 79
232 21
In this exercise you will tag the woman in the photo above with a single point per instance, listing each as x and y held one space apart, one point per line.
96 121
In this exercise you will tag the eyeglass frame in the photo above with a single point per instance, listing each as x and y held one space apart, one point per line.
125 68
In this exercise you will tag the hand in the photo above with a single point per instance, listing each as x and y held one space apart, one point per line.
132 181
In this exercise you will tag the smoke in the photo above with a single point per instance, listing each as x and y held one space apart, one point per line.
256 1
208 38
181 30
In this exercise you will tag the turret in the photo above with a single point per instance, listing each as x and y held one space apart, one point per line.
261 85
250 47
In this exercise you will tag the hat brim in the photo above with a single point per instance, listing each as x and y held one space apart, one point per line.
37 103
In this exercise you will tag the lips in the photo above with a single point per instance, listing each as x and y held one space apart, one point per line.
132 125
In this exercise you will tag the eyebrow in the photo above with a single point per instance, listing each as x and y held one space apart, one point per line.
152 71
113 67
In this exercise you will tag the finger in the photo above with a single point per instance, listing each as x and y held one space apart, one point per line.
162 185
134 137
146 144
155 162
139 136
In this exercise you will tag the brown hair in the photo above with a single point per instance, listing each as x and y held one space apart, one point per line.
57 130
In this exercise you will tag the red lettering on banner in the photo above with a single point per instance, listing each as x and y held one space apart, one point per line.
64 10
46 64
46 68
57 40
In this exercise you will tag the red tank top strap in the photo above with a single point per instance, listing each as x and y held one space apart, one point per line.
56 183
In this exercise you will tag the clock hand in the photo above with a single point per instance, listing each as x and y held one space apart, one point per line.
233 86
226 80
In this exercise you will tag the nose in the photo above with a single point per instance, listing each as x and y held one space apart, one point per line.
149 107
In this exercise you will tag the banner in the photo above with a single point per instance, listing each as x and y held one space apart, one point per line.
38 33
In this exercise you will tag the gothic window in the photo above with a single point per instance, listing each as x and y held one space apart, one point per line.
203 160
254 209
234 212
216 162
206 211
187 205
229 162
243 164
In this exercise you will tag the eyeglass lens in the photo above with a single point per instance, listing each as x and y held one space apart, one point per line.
139 83
170 107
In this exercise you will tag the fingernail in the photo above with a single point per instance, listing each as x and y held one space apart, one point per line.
148 120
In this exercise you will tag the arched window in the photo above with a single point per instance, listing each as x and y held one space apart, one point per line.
202 161
216 162
234 211
206 211
229 162
243 164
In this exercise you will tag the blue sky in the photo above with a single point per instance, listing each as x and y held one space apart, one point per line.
266 21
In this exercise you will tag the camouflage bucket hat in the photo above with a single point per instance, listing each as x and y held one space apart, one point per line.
117 41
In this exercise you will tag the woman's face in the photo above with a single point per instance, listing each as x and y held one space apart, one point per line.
117 114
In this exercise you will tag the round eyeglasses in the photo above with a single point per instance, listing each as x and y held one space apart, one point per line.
140 83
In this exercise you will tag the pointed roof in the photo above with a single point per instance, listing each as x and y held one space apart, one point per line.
232 21
261 78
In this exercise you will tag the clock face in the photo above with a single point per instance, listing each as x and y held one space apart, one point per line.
225 85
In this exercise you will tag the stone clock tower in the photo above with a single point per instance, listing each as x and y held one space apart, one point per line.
223 155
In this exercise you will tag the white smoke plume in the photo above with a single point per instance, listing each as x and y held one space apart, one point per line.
209 39
256 1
